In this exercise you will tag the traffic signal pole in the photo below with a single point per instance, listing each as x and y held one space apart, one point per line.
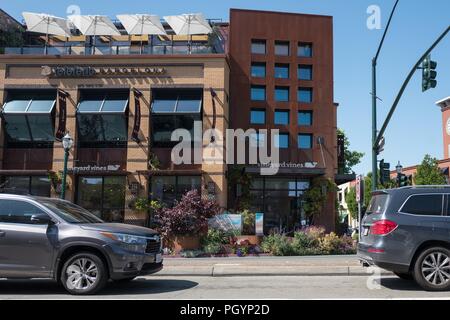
405 84
374 104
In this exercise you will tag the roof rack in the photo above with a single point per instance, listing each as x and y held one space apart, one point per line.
427 187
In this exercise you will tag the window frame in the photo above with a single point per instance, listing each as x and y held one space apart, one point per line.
258 110
258 87
280 66
310 69
303 44
260 41
258 64
284 88
42 211
443 209
310 89
283 43
310 112
277 141
284 111
305 134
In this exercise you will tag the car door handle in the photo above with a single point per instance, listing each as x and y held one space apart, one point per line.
2 234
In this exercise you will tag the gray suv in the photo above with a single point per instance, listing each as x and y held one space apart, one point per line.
51 238
407 231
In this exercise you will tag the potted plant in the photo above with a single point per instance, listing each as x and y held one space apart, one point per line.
56 181
183 225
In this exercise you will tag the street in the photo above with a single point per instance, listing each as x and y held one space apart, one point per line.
192 287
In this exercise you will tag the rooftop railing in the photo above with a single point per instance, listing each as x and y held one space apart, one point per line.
83 50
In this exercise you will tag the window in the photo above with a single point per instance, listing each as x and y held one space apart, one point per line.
281 117
305 95
103 196
257 116
282 48
305 50
282 140
259 46
29 118
258 93
257 140
305 118
424 205
282 94
258 69
173 109
26 185
167 189
305 141
14 211
304 72
282 71
102 119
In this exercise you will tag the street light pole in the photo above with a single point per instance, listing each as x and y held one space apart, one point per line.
67 142
374 103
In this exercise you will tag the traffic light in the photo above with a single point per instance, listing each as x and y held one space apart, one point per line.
385 172
429 74
403 180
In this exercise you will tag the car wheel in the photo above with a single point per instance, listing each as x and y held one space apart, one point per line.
404 276
432 269
84 273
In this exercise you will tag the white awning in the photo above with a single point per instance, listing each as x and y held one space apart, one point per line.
189 24
137 24
94 25
46 24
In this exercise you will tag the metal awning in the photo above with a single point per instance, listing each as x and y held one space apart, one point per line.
344 178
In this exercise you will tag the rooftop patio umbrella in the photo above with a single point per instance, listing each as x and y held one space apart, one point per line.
142 24
189 24
47 24
94 25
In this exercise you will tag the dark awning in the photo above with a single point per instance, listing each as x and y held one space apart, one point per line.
308 172
188 172
344 178
25 172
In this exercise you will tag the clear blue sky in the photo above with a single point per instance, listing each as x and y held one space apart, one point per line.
415 128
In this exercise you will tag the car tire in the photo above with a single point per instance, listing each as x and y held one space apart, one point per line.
83 274
432 269
404 275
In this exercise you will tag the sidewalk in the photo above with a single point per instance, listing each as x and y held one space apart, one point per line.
265 266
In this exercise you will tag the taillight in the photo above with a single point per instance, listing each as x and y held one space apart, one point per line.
383 227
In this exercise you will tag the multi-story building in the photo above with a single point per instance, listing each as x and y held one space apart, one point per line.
121 102
282 78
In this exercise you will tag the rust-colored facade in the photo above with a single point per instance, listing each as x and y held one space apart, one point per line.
300 41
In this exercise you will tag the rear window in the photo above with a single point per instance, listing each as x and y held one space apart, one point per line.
424 205
377 204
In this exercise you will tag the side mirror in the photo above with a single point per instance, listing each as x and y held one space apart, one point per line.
41 218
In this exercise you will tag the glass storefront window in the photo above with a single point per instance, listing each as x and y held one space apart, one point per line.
103 196
167 189
26 185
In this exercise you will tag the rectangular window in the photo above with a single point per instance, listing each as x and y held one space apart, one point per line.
305 95
257 116
102 119
103 196
258 69
168 189
281 117
29 118
258 93
16 211
305 49
257 140
25 185
305 141
282 141
282 94
259 46
305 118
173 109
282 48
282 71
304 72
424 205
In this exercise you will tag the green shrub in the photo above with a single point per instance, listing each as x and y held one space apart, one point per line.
213 248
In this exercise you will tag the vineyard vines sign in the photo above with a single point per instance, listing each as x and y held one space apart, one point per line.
90 71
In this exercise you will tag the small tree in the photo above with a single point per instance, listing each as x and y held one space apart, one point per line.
316 197
352 205
429 173
188 217
352 158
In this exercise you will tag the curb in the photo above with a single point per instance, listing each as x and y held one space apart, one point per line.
257 271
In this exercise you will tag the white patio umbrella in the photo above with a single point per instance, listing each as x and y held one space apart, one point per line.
141 24
94 25
189 24
47 24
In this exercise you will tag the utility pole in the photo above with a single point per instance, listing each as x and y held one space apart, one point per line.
375 151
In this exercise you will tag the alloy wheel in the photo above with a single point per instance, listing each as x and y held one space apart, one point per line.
82 274
436 268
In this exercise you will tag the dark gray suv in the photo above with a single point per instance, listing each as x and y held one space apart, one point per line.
407 231
51 238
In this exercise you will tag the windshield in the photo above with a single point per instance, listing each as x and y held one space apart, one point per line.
70 212
377 204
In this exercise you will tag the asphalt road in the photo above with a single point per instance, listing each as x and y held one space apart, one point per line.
306 287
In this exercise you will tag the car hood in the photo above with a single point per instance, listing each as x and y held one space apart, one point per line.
120 228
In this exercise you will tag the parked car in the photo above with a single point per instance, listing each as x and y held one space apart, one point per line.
407 231
52 238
